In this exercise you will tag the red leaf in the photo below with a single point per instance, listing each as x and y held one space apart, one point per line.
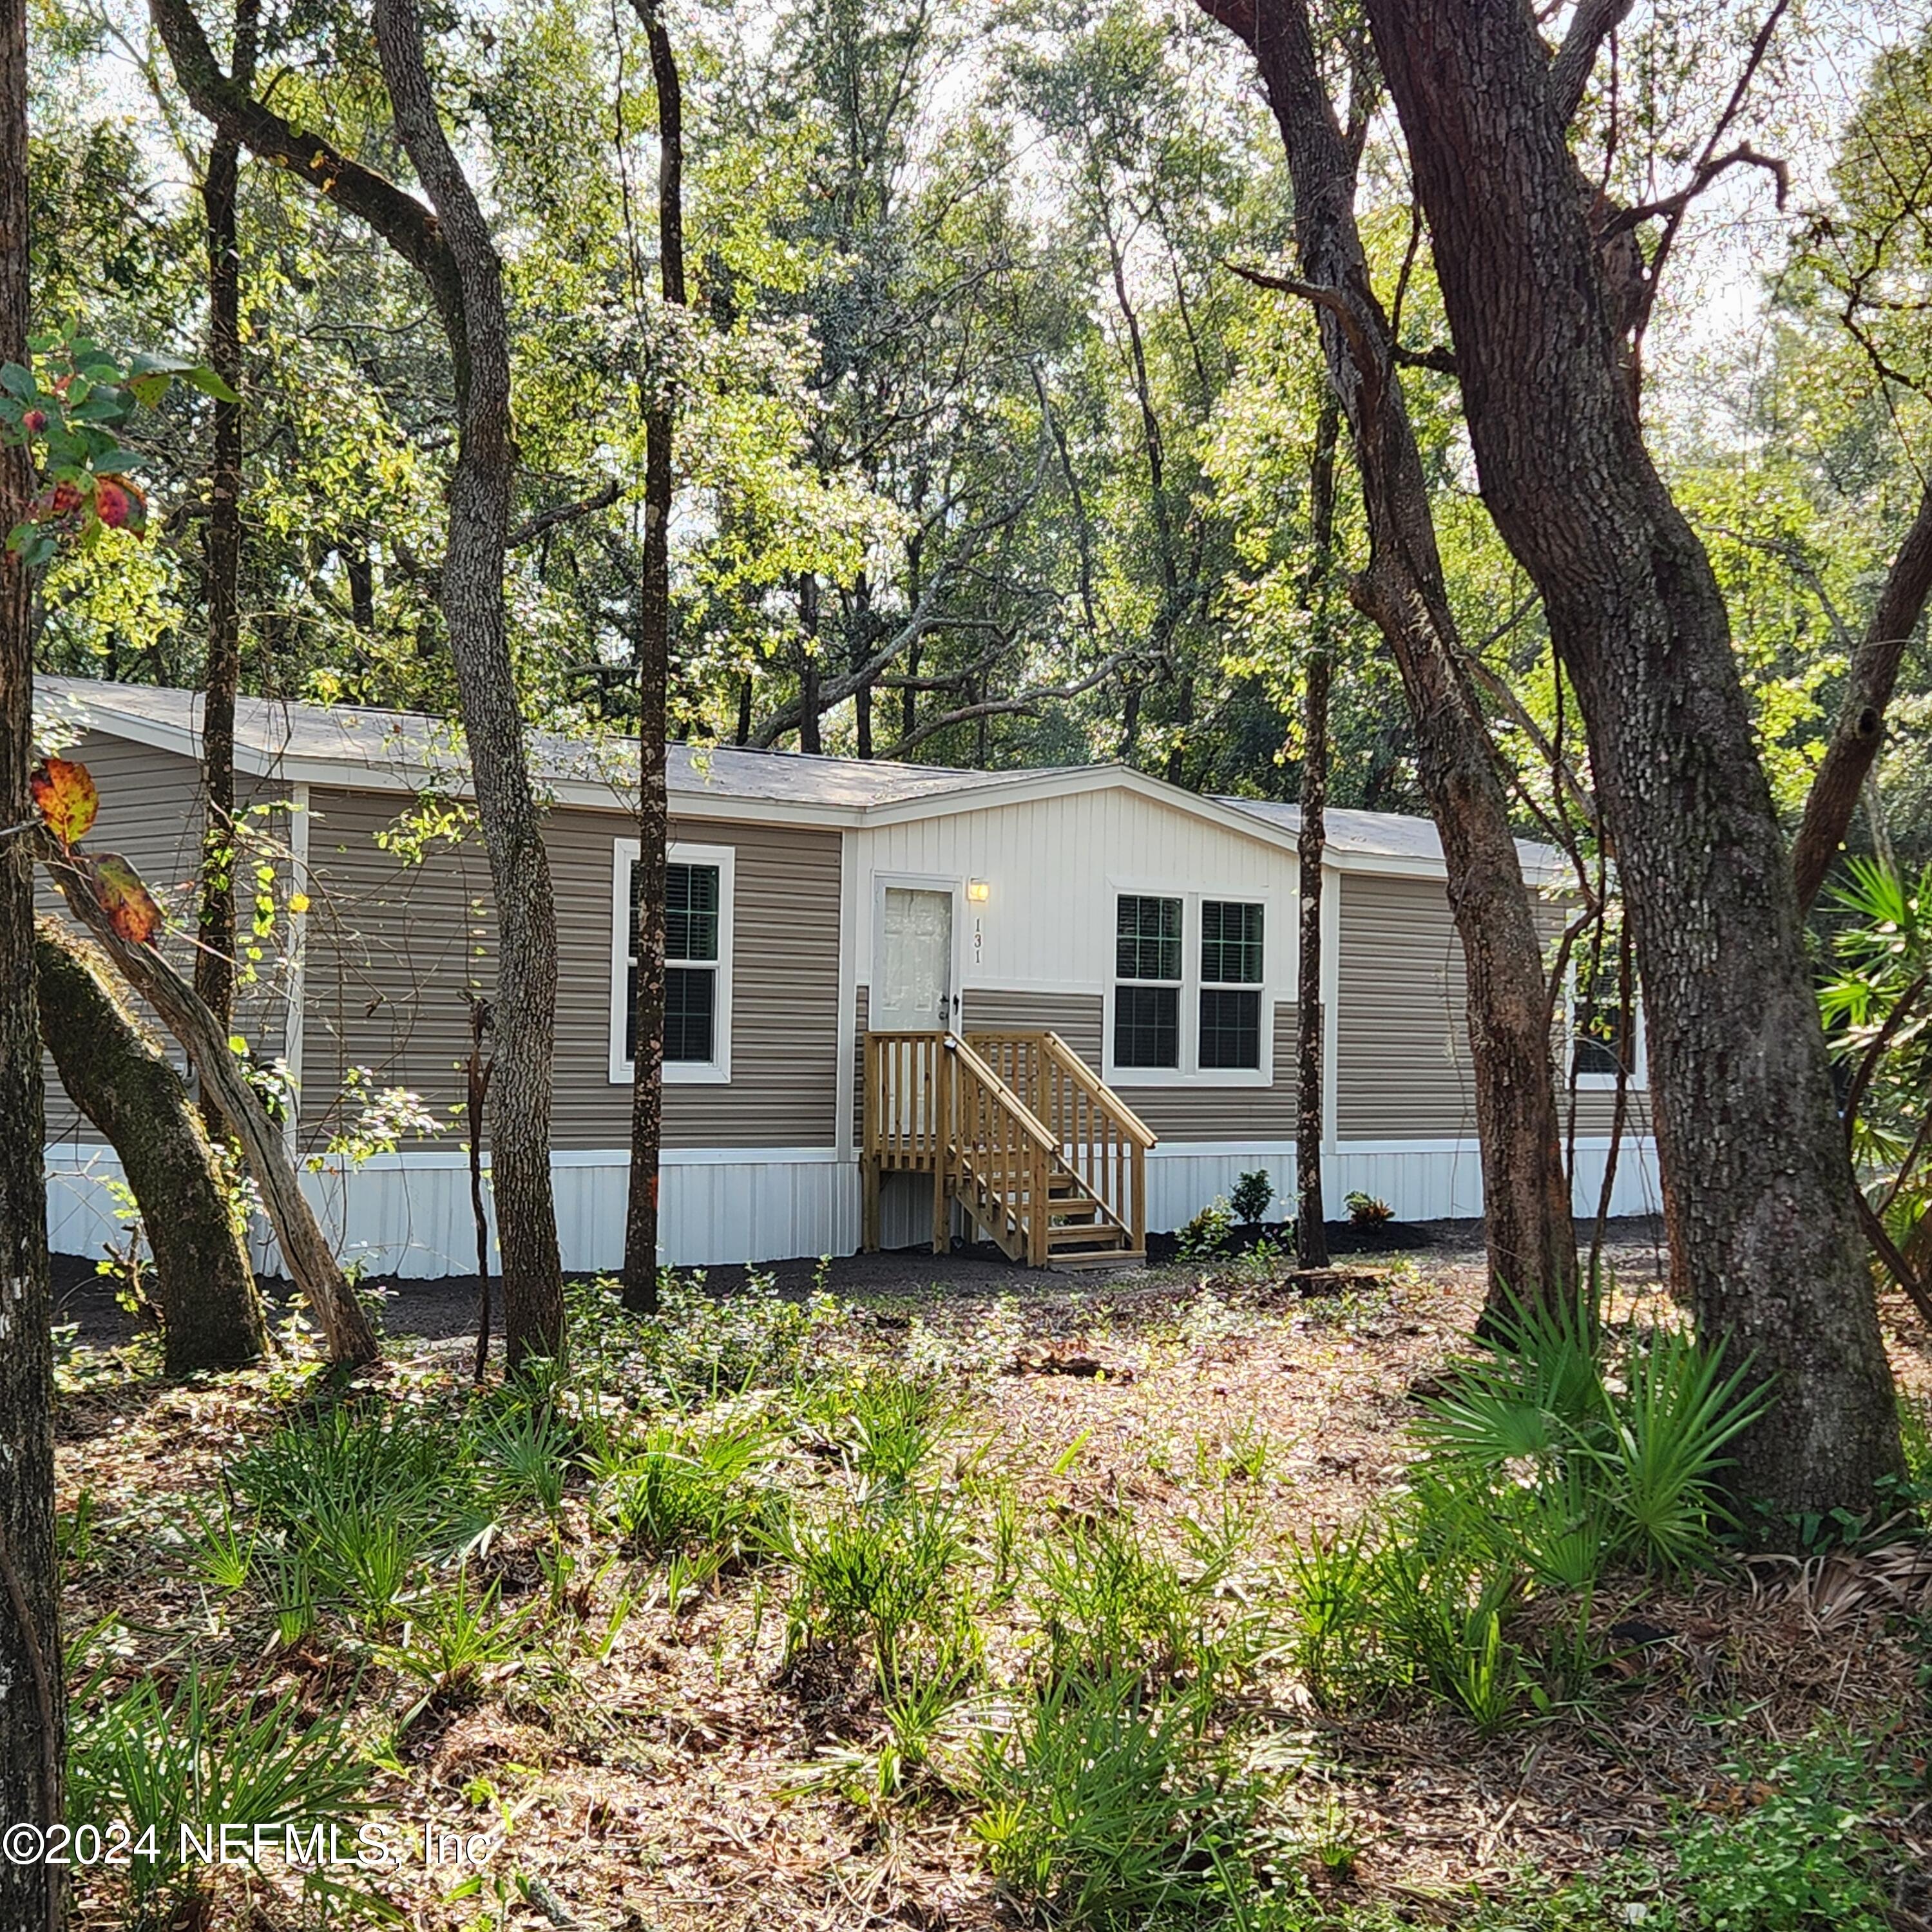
129 905
64 795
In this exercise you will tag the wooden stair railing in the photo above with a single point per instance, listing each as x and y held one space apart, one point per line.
1099 1138
1062 1180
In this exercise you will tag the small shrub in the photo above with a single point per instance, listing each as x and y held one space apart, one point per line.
157 1766
1207 1234
1804 1855
683 1490
1105 1807
1252 1192
524 1449
699 1346
886 1423
1539 1471
1366 1211
1111 1602
864 1574
456 1637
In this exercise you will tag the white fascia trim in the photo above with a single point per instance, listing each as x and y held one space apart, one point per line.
716 1072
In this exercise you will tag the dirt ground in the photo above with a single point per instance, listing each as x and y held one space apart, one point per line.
674 1778
441 1309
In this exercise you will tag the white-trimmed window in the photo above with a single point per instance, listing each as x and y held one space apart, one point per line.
1231 972
1188 1001
1606 1043
698 895
1148 960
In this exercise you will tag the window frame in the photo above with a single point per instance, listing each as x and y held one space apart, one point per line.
1177 985
1582 1082
1258 986
716 1072
1277 971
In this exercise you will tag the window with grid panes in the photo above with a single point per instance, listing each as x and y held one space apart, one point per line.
1148 981
1231 981
692 902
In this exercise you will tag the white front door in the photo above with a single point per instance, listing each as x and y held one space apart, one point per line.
912 983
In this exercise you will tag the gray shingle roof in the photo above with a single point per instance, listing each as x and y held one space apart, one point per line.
279 732
1386 835
400 747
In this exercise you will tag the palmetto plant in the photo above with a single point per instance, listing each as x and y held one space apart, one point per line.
1877 1010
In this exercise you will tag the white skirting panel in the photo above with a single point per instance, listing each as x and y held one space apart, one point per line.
1422 1180
408 1215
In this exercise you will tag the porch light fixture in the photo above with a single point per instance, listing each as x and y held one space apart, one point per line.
978 891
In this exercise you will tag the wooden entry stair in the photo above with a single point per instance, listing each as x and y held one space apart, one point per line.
1046 1159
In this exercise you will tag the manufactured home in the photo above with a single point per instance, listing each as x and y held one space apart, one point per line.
1084 976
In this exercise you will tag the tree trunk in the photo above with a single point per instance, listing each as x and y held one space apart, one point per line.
1528 1223
1851 756
119 1077
221 675
473 605
641 1224
809 739
1759 1196
306 1253
32 1683
1311 1232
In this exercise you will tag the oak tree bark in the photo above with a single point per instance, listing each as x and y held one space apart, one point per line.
32 1690
472 603
116 1074
310 1261
640 1226
1759 1197
1527 1224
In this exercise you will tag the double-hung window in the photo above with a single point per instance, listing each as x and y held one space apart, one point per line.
1231 984
698 963
1148 960
1189 980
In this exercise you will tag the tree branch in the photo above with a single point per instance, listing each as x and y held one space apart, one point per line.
403 221
1570 70
563 513
1859 733
1673 206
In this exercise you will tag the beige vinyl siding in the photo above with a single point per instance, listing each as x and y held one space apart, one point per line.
1404 1069
150 813
395 946
1176 1113
1402 1046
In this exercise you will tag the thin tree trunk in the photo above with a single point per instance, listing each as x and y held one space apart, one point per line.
1527 1217
32 1684
1759 1197
221 675
306 1253
476 1100
120 1078
809 736
641 1224
1311 1232
1859 733
472 604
